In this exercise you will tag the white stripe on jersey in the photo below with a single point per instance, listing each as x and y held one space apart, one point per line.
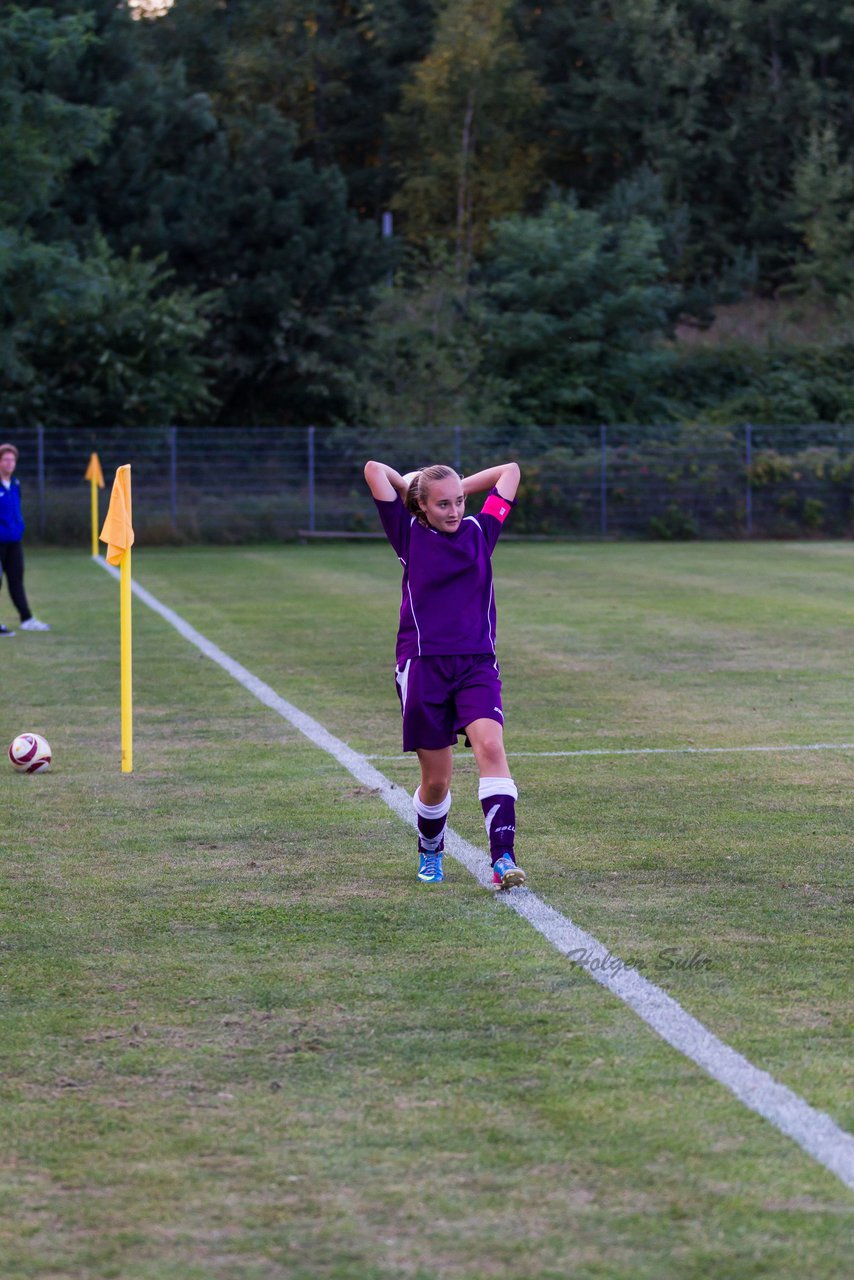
414 619
488 607
489 630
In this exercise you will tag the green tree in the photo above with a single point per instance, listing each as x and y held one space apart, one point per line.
42 135
236 213
714 95
422 364
824 204
465 135
333 68
239 214
575 305
96 339
85 336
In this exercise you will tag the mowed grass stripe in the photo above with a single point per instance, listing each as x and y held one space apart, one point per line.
658 751
745 856
227 1057
814 1131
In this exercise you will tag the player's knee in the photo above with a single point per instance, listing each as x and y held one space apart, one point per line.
491 753
433 790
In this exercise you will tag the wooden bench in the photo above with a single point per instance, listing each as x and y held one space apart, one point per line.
342 535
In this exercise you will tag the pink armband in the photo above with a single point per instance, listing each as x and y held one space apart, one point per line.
498 507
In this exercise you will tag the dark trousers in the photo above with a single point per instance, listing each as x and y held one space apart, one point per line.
12 564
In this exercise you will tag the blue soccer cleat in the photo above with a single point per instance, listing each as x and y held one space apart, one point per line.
505 873
430 871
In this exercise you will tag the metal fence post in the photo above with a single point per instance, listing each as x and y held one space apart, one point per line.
173 477
388 232
40 464
748 458
311 479
603 481
458 463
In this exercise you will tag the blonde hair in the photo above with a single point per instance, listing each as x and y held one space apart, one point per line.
8 448
418 486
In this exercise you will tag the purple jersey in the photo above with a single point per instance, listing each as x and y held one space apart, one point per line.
447 603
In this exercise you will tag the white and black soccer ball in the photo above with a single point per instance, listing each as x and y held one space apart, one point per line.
30 753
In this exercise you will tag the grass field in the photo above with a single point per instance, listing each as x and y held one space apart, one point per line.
240 1042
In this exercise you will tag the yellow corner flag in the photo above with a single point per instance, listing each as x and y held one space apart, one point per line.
118 529
95 476
93 471
118 535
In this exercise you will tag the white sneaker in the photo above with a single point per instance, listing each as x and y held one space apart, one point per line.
34 624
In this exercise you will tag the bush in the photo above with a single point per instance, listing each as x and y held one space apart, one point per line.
775 385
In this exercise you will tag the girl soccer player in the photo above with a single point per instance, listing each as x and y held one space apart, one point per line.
446 671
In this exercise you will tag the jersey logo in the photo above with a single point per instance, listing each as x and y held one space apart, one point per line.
497 507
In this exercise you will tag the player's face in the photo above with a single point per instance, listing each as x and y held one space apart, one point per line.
7 464
445 504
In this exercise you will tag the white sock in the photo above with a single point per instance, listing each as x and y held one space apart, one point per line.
432 821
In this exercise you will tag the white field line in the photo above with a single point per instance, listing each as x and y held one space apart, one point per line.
811 1129
656 751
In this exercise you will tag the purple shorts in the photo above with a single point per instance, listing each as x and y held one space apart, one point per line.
440 696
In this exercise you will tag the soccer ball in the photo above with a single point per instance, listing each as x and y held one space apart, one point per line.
30 753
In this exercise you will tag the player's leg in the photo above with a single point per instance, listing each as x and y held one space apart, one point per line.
498 794
14 566
432 802
436 770
480 713
4 546
428 730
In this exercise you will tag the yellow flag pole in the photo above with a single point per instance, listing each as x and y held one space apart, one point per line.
95 477
127 664
94 486
118 535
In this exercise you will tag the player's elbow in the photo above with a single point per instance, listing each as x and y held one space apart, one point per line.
509 480
372 470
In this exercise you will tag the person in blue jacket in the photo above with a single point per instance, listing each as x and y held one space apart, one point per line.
11 533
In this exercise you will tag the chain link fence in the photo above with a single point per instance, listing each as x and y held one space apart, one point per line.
213 484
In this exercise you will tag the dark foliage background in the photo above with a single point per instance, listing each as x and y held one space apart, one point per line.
191 209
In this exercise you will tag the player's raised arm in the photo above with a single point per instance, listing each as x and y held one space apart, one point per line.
384 482
505 478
